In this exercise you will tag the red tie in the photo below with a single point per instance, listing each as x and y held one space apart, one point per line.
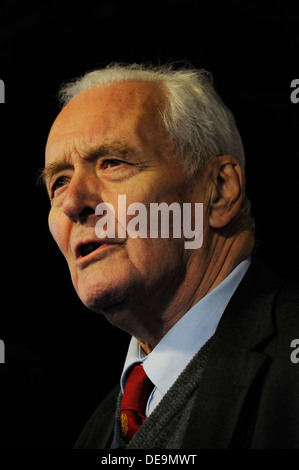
132 408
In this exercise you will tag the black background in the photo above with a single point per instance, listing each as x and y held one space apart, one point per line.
62 359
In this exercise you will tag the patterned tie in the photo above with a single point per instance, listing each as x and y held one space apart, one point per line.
132 408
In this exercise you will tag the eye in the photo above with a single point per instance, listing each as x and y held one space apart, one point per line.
111 163
59 183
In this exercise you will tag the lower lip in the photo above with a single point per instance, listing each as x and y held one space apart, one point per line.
83 261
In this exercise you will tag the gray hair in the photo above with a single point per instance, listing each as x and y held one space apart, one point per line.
196 118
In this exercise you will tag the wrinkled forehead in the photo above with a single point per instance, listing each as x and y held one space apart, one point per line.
98 111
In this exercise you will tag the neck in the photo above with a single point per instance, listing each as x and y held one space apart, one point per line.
224 253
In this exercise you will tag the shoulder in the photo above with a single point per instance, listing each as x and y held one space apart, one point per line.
264 309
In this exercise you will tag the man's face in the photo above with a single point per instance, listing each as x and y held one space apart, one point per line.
109 141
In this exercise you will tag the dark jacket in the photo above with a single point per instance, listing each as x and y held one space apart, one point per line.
248 396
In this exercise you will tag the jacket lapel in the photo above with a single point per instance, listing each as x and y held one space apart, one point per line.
98 432
235 360
221 395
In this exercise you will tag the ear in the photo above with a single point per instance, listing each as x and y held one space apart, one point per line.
228 190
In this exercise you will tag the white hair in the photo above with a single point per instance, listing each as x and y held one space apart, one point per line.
194 115
196 118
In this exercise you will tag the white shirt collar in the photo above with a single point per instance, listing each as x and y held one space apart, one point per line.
186 337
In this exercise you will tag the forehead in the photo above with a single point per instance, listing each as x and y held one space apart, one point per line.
118 110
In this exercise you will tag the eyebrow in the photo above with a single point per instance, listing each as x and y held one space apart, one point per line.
116 149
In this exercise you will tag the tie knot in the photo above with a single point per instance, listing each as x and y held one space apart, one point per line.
136 393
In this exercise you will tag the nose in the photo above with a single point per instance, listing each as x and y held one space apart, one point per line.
81 197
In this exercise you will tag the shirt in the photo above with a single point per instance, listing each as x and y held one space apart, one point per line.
180 344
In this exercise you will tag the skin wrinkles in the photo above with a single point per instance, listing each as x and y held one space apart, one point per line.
142 286
112 150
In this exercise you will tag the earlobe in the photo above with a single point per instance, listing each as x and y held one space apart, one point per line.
228 193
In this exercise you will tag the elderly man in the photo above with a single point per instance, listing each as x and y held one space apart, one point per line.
209 363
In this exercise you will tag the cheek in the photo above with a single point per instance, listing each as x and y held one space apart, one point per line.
153 258
59 226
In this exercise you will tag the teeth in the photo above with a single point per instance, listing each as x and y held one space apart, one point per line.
88 248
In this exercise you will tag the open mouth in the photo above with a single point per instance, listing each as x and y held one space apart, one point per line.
84 250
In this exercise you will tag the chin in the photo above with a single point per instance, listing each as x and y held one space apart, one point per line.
114 307
100 298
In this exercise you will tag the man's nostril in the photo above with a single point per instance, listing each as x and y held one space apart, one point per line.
85 213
